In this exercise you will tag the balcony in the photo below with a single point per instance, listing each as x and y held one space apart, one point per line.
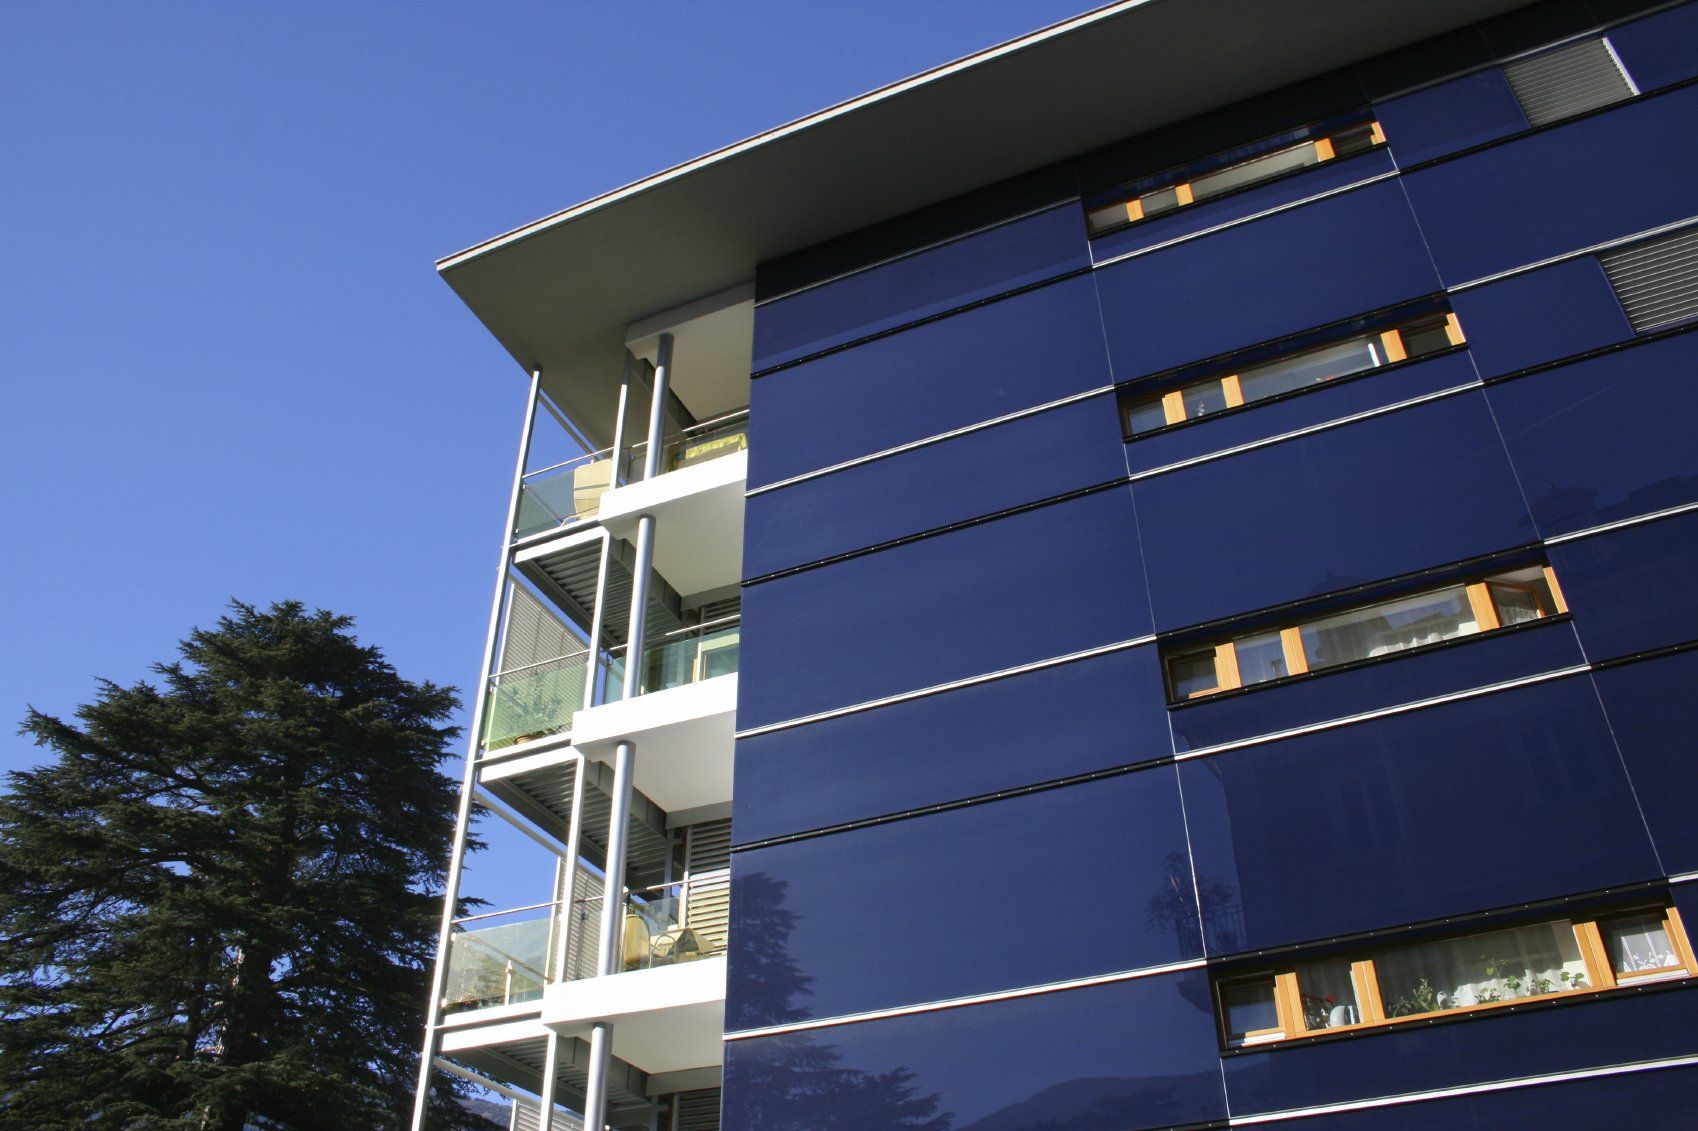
535 700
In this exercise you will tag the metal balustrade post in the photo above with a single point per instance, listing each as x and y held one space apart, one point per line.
463 819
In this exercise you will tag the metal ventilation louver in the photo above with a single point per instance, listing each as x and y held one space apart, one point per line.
697 1111
1657 282
1568 81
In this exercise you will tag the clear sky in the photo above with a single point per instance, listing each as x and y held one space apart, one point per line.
229 368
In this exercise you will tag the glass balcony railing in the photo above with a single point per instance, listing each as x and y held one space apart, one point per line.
699 443
562 493
682 656
664 925
534 701
505 958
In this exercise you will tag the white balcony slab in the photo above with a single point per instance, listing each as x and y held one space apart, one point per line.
470 1034
664 1020
698 521
683 737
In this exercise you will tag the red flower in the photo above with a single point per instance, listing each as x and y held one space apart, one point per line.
1330 999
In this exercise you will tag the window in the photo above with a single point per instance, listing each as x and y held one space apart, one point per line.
1568 81
1222 174
1365 632
1303 369
1463 973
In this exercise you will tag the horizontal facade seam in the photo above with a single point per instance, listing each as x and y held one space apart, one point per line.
1382 712
1466 1090
1621 524
940 688
1684 878
1579 253
966 1000
912 445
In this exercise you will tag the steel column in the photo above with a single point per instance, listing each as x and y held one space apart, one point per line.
463 820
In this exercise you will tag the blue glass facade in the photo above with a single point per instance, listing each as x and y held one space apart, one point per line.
988 871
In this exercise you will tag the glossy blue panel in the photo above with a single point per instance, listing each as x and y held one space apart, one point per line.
1332 259
1451 116
1653 710
854 911
1571 186
1104 1058
1409 490
1614 1029
1486 802
1249 202
1631 590
1316 406
970 367
1029 586
964 743
1544 315
1607 438
1023 461
1475 662
1660 49
1661 1100
970 269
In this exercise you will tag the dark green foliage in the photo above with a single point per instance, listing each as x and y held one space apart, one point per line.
218 905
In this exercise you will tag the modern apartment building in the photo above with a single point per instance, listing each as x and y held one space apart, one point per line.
1142 578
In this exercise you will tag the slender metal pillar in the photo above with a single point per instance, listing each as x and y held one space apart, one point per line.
625 757
568 888
463 820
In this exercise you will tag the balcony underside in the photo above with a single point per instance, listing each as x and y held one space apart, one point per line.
520 1062
539 786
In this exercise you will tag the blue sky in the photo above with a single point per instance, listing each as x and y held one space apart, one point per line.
229 368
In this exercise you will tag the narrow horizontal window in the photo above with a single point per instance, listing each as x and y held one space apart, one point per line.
1568 81
1364 632
1217 176
1460 974
1656 281
1306 368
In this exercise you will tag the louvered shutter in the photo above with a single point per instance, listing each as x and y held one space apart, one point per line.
1568 81
696 1111
707 866
1657 282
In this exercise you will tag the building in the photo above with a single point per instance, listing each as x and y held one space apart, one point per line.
1213 523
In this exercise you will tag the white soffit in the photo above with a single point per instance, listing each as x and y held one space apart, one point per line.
560 293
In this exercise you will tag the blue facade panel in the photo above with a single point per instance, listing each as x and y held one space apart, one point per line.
966 603
1450 117
980 364
1480 803
1092 714
993 1067
1631 590
1560 189
1653 710
1024 461
1332 259
1540 316
1660 49
1605 439
940 279
1328 511
988 889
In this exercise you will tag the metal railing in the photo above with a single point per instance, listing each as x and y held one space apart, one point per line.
534 700
682 656
699 443
663 925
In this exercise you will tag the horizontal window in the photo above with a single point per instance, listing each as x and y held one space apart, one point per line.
1219 175
1364 632
1481 970
1300 369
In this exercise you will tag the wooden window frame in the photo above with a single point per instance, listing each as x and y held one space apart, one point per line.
1323 145
1594 955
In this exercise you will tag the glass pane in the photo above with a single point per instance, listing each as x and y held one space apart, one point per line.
1429 336
1521 596
1203 398
1308 368
1391 627
1162 200
1260 658
1480 969
1328 995
1250 172
1249 1008
1353 140
1105 218
1145 416
1192 673
1639 945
